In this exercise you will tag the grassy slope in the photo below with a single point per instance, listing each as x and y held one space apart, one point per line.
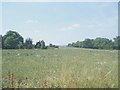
64 67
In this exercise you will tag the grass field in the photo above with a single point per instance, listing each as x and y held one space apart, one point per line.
64 68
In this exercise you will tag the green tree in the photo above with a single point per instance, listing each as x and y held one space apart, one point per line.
28 43
69 45
73 44
43 45
102 43
87 43
98 43
116 43
12 40
81 44
38 45
20 45
50 45
0 41
77 44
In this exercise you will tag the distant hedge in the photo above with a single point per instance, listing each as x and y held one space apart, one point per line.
98 43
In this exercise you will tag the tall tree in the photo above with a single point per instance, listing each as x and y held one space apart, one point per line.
102 43
50 45
88 43
42 44
28 43
0 41
116 43
12 40
38 45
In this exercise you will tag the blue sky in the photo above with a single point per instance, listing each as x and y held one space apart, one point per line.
61 22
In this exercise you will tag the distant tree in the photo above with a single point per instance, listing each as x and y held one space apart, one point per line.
0 41
102 43
50 45
116 43
88 43
98 43
81 44
56 46
20 45
53 46
69 45
108 44
12 40
77 44
43 45
28 43
73 44
38 45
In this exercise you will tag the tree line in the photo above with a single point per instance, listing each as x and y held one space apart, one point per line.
98 43
13 40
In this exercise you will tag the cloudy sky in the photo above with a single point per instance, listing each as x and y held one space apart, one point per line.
61 22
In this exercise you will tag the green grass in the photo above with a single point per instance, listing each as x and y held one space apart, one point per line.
64 68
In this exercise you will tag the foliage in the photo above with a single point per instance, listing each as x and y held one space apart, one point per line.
50 45
98 43
53 46
28 43
0 41
88 43
42 44
38 45
12 40
116 43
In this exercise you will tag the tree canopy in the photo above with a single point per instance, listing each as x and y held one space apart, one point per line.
98 43
28 43
12 40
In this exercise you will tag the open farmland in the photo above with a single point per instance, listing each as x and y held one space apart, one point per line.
63 67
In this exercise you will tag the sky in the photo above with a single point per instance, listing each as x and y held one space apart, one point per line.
60 23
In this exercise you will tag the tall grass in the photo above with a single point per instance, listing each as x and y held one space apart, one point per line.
64 67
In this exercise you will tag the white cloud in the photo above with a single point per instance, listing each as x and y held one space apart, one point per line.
31 21
69 28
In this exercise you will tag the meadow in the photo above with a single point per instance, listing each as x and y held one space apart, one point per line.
60 68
